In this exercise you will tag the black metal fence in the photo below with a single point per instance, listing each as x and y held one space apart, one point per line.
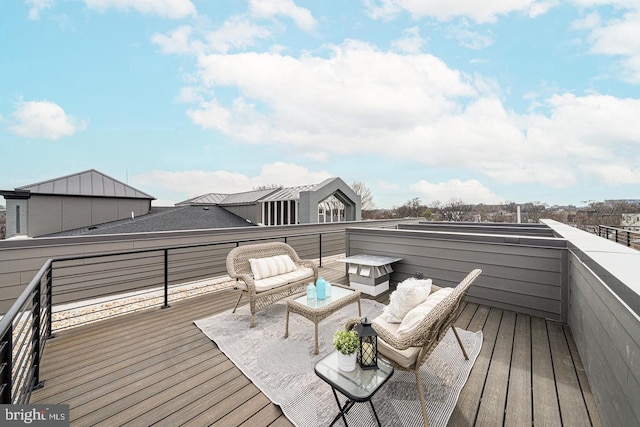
625 237
72 291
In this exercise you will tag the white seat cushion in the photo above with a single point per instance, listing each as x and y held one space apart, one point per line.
405 358
408 294
281 280
271 266
415 316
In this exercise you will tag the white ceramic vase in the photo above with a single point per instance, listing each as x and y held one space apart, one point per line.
346 362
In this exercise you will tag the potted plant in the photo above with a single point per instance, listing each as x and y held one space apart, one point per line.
346 343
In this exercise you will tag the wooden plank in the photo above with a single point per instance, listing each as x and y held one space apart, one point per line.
214 413
466 315
545 399
464 414
243 413
494 395
142 398
270 415
572 406
519 412
590 402
220 380
187 415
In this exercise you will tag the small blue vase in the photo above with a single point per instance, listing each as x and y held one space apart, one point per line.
311 291
321 288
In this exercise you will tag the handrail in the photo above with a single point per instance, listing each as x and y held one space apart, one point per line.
629 238
21 351
32 311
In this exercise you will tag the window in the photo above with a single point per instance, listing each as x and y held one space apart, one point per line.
18 219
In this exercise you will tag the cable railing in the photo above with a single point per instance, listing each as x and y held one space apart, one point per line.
619 235
76 290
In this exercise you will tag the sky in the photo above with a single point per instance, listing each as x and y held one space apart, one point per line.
479 101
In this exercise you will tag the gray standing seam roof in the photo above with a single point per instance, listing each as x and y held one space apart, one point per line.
87 183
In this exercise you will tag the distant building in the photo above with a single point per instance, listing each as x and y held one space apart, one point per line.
332 200
90 202
630 221
71 202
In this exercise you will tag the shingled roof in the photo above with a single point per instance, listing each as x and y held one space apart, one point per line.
165 219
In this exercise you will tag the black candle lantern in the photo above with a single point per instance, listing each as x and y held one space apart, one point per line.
368 350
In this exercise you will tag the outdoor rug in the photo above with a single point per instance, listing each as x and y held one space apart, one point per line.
282 368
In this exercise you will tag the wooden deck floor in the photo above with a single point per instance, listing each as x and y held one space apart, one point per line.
157 368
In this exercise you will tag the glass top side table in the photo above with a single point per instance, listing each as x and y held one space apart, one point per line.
358 385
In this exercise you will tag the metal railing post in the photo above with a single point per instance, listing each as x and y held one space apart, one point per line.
49 302
36 304
320 239
166 279
6 366
628 239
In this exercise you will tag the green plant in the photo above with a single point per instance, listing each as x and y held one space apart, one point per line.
346 342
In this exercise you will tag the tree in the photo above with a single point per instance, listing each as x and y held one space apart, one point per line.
412 208
366 199
456 211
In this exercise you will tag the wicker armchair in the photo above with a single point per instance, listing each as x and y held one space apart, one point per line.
239 268
413 349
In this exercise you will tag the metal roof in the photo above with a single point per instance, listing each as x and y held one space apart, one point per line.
87 183
247 197
289 193
205 199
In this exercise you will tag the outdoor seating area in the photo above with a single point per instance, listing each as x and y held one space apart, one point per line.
157 368
268 272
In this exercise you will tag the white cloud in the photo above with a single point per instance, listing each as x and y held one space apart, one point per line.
172 9
471 191
620 37
36 6
271 8
43 119
199 182
478 11
411 42
301 100
469 38
235 33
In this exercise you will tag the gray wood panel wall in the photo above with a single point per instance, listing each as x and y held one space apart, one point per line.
520 273
20 260
483 228
607 335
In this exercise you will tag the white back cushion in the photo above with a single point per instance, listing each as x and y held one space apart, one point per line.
271 266
415 316
409 294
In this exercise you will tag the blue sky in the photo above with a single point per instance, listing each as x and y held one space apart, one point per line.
484 102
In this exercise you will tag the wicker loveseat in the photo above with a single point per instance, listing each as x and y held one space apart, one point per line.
262 273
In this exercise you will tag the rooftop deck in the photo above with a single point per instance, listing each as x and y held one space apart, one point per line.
156 367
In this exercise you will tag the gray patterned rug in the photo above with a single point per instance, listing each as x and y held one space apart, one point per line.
283 367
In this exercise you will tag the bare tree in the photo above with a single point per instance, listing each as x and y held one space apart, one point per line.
456 211
366 199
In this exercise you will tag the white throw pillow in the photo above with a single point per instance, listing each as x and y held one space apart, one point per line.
271 266
408 294
415 316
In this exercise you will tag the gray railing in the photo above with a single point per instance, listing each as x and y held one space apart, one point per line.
130 280
628 238
23 333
